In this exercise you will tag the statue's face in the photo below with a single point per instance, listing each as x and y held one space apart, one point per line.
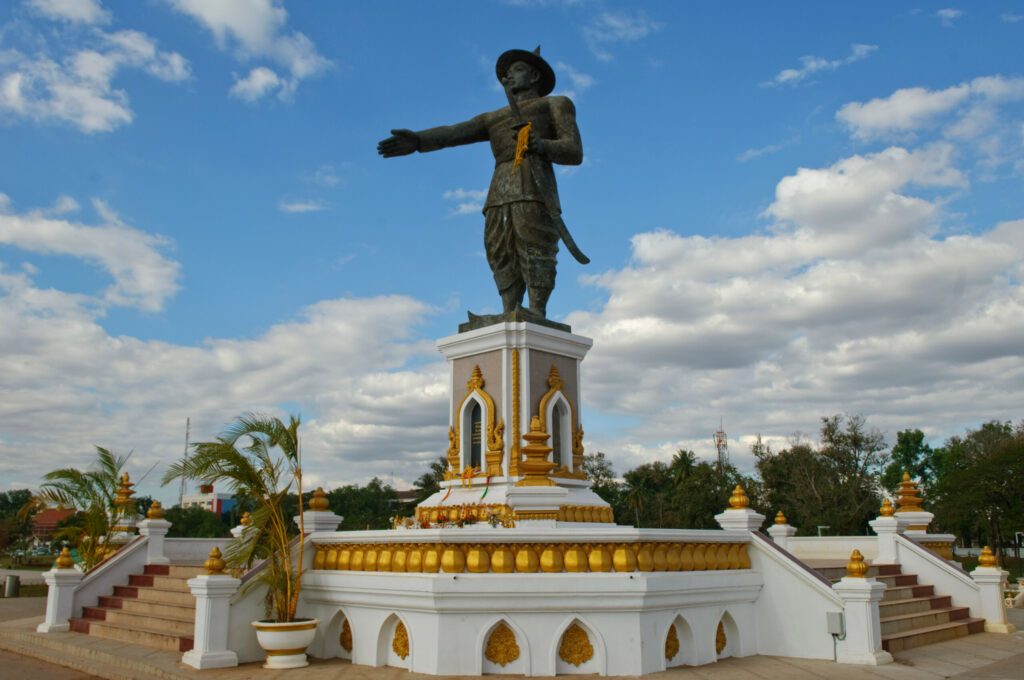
521 76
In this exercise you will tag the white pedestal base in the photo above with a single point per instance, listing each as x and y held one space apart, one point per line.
204 660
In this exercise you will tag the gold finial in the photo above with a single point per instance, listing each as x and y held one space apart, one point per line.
886 510
536 467
318 503
124 493
64 560
780 518
986 558
554 379
908 501
738 500
214 565
156 511
246 519
476 381
856 567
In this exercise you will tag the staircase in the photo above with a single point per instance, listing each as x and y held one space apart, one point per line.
911 614
155 609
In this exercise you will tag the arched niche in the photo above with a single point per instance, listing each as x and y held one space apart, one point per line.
678 638
579 650
727 636
476 407
473 445
394 643
558 420
338 637
504 649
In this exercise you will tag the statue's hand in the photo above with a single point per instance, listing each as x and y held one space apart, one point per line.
400 143
536 144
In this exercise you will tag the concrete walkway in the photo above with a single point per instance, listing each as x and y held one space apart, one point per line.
985 656
26 575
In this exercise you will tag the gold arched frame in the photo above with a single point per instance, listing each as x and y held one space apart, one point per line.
495 441
555 384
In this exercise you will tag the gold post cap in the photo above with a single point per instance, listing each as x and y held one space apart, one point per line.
986 558
739 500
246 519
214 565
64 560
156 511
319 503
856 567
886 510
780 518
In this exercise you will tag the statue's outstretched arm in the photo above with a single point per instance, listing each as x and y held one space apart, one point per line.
469 132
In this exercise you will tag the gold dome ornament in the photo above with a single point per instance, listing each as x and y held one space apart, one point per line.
124 493
214 565
156 511
319 503
739 500
985 559
856 567
64 560
908 501
780 518
886 510
246 519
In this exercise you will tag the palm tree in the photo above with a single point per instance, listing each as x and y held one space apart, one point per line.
92 493
258 457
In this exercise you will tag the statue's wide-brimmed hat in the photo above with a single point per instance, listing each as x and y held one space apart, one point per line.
547 75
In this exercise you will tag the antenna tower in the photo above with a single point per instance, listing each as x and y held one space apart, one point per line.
722 445
181 489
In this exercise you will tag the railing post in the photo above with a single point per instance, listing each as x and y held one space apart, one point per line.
319 516
154 528
887 526
781 531
861 642
60 599
213 592
991 581
739 516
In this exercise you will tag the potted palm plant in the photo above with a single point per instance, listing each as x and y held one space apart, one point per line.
258 458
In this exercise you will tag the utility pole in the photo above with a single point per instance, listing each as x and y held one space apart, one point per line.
181 488
722 445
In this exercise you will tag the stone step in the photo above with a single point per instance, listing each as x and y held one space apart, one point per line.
897 642
902 623
133 634
176 570
917 604
173 611
907 592
177 626
160 595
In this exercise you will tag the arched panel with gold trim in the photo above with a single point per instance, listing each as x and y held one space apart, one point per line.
477 437
559 420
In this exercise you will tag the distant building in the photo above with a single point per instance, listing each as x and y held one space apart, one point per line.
45 522
215 501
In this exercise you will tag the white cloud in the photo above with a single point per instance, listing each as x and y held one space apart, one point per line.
467 201
256 29
1009 18
73 11
913 108
143 276
301 206
810 65
79 89
757 152
581 82
948 16
326 175
609 29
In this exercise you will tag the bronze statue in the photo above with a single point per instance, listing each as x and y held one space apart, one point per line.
522 214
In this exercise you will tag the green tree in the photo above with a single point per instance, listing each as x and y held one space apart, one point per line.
910 454
195 522
601 474
701 490
15 526
429 482
364 507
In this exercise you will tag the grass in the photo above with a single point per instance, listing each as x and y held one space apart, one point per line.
1010 564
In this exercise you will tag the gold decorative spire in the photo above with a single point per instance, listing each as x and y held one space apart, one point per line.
986 558
156 511
739 500
886 510
124 493
318 503
536 466
780 518
476 381
246 519
908 501
856 567
214 565
554 379
64 560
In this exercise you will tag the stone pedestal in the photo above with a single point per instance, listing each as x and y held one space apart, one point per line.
155 530
863 637
318 520
213 613
124 529
887 528
60 599
781 533
916 522
740 519
991 582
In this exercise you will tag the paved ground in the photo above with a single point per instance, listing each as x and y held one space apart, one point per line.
986 656
27 575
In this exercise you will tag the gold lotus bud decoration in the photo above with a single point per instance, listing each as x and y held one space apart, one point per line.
780 518
246 519
886 510
124 493
318 503
909 501
986 558
856 567
156 511
214 565
64 560
738 500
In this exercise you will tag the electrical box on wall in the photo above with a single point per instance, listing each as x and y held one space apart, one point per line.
836 623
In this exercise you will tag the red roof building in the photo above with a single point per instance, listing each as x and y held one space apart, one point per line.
45 522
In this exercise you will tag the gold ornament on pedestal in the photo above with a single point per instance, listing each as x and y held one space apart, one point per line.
64 560
886 510
319 502
856 567
738 500
780 518
909 501
346 637
214 565
536 467
156 511
502 648
986 558
671 643
575 648
720 640
400 642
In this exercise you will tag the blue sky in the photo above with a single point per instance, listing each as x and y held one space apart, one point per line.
791 210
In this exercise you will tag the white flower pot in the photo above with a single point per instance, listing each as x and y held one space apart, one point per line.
285 643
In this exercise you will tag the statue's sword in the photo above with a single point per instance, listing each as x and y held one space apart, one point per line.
544 187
